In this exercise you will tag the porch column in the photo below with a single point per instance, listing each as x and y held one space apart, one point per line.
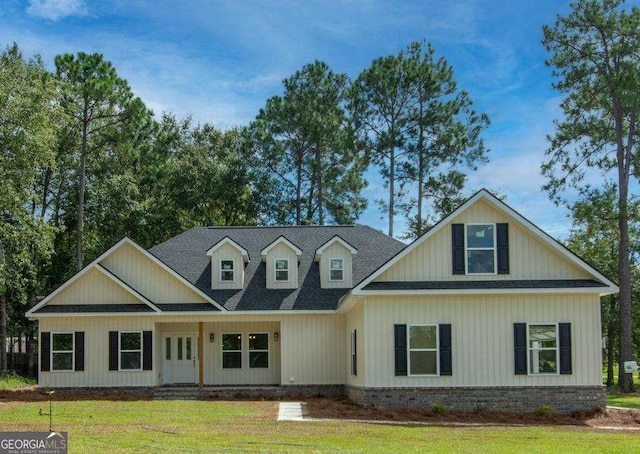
200 355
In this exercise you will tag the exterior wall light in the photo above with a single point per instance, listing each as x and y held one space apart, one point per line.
211 337
276 336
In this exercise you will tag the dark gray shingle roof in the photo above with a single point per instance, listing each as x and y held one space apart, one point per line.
186 254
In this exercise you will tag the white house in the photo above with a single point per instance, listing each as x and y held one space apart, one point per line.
485 311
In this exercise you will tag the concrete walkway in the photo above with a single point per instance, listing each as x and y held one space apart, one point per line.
290 411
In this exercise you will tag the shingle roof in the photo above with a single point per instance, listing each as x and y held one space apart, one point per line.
186 255
485 285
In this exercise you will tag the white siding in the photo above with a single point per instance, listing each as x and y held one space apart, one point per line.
313 350
94 287
227 252
96 352
335 251
482 337
529 257
148 278
282 251
355 321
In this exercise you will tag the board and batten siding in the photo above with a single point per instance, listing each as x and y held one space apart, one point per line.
96 352
94 286
313 349
336 251
227 252
282 251
355 321
529 257
147 277
482 337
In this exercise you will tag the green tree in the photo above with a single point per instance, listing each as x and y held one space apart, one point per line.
98 100
443 137
306 143
595 237
381 99
28 115
595 53
211 181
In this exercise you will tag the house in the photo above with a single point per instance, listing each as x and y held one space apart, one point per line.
484 311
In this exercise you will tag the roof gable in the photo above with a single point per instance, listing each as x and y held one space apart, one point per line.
100 265
226 240
281 240
335 240
429 257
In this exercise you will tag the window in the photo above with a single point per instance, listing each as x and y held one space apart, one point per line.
282 270
543 349
232 351
336 270
354 353
167 349
480 248
62 352
423 349
258 351
130 350
226 271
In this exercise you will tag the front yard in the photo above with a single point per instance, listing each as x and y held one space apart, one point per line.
213 426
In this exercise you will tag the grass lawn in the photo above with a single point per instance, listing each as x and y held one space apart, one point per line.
11 381
214 426
615 399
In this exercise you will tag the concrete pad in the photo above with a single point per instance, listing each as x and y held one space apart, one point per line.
290 411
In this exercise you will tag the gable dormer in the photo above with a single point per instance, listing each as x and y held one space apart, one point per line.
281 258
228 260
335 259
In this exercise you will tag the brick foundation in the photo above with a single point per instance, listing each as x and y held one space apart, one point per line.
561 399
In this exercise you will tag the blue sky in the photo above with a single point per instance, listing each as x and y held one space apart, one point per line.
219 61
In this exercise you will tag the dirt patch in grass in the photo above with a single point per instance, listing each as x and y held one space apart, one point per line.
35 394
325 408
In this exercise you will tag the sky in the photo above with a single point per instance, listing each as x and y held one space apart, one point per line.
219 61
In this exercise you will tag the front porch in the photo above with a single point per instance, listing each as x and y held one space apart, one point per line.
218 353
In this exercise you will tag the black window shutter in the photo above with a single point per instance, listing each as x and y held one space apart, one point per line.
113 350
354 365
502 235
445 350
400 335
520 348
79 350
457 242
565 348
45 352
147 350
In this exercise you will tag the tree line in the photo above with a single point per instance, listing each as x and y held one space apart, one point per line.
83 161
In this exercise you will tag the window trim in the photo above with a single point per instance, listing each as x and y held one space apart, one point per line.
120 351
436 349
341 269
275 270
223 351
557 349
72 351
268 350
232 270
494 249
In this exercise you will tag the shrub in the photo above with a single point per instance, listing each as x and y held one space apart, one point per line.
439 409
544 410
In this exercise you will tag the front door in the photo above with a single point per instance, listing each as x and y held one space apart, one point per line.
184 358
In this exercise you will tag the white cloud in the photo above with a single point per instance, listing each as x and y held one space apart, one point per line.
57 9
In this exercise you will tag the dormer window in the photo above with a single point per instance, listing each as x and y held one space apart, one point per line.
228 260
226 271
336 270
481 248
281 270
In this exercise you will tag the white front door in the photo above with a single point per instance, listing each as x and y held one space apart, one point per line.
184 358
